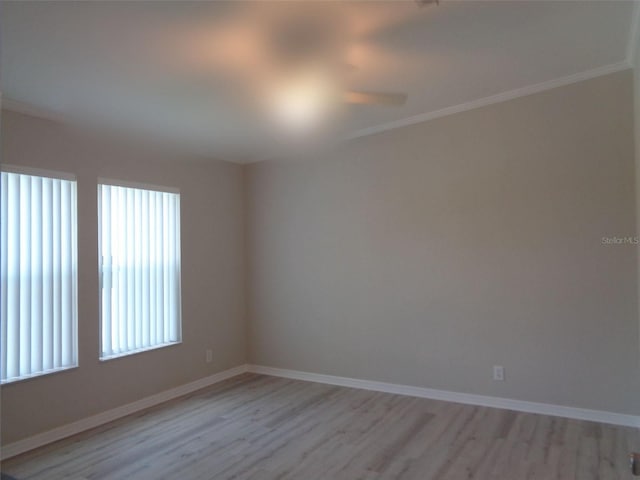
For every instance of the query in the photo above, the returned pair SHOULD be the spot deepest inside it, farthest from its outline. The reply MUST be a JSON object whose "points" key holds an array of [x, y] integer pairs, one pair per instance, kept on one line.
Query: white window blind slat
{"points": [[25, 275], [38, 270], [36, 277], [4, 212], [140, 267], [145, 265], [129, 266], [11, 354], [137, 271], [47, 269], [57, 277], [153, 277]]}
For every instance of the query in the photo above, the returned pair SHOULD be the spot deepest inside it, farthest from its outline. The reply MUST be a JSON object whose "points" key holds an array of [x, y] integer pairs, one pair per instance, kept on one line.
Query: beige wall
{"points": [[427, 254], [420, 256], [212, 277]]}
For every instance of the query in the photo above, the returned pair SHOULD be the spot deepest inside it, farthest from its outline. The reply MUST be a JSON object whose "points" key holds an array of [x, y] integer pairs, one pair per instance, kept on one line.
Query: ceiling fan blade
{"points": [[375, 98]]}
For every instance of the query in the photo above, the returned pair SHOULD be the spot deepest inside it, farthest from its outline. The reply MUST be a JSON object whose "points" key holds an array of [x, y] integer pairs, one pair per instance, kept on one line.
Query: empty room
{"points": [[320, 240]]}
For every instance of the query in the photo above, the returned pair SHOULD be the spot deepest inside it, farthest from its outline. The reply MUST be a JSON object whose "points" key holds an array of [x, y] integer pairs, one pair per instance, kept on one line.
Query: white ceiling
{"points": [[187, 70]]}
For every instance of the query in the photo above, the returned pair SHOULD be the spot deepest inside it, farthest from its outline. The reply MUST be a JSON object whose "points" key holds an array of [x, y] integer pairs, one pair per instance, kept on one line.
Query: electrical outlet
{"points": [[209, 356], [498, 373]]}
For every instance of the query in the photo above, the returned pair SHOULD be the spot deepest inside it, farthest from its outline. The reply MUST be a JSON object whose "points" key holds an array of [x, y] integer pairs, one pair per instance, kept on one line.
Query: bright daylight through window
{"points": [[38, 265], [139, 252]]}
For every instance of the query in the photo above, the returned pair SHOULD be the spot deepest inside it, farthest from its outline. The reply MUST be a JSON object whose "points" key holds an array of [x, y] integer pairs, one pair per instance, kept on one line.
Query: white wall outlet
{"points": [[209, 356], [498, 373]]}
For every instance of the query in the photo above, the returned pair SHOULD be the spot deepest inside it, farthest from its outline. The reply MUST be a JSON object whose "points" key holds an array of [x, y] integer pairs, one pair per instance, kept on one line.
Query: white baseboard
{"points": [[21, 446], [466, 398], [41, 439]]}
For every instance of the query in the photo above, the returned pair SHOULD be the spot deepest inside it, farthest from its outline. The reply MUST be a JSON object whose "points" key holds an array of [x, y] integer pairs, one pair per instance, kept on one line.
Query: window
{"points": [[38, 268], [139, 251]]}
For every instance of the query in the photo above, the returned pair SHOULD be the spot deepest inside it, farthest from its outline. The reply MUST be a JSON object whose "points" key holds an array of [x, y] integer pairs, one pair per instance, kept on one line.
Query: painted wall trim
{"points": [[32, 110], [41, 439], [500, 97], [28, 109], [59, 433], [457, 397]]}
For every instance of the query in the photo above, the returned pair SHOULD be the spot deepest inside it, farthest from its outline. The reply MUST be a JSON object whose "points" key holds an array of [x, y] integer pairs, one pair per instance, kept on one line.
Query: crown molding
{"points": [[32, 110], [500, 97], [28, 109], [634, 34]]}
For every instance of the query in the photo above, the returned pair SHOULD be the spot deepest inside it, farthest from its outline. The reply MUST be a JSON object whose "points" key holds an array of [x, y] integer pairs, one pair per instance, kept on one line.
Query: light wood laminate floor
{"points": [[266, 428]]}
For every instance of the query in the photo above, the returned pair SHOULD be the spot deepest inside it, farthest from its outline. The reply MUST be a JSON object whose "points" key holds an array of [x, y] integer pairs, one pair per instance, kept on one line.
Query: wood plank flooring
{"points": [[265, 428]]}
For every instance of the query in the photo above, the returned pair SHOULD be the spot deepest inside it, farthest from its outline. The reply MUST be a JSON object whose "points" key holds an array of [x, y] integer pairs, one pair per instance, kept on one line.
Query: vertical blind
{"points": [[139, 248], [38, 265]]}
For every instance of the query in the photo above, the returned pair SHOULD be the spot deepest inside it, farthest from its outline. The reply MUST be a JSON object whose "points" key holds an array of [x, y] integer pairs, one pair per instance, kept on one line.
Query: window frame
{"points": [[75, 354], [154, 188]]}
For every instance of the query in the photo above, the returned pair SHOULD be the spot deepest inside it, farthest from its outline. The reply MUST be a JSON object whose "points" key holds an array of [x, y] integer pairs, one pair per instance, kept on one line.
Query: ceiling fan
{"points": [[296, 59], [302, 48], [374, 98], [312, 91]]}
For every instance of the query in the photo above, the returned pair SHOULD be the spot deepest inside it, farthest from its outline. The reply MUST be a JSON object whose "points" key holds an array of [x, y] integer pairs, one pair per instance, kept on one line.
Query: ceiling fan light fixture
{"points": [[303, 102]]}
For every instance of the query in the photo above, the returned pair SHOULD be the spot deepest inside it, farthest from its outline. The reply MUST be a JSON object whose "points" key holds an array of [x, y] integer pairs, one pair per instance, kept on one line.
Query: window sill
{"points": [[106, 358], [34, 376]]}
